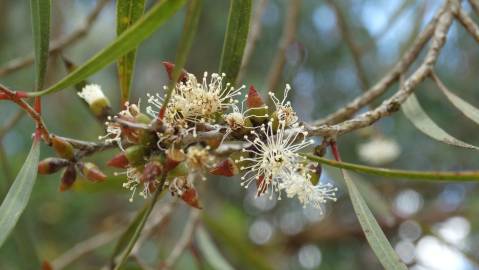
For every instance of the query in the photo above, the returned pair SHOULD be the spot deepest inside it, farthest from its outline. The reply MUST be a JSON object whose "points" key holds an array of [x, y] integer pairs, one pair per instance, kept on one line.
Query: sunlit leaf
{"points": [[414, 112], [130, 39], [210, 252], [467, 109], [235, 39], [40, 13], [19, 193], [375, 236], [127, 13]]}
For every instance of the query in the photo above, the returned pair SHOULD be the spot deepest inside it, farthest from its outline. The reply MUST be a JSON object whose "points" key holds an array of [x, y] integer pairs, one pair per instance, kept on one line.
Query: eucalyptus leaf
{"points": [[40, 13], [418, 117], [128, 40], [19, 193], [235, 39], [127, 13], [375, 236]]}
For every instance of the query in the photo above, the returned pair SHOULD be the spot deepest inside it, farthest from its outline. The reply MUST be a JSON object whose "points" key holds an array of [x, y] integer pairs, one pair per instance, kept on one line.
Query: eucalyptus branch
{"points": [[468, 23], [59, 44]]}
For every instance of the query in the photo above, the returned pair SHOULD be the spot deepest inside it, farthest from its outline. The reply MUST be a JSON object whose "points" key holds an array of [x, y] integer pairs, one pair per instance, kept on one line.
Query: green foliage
{"points": [[235, 38], [19, 193], [127, 13], [40, 13]]}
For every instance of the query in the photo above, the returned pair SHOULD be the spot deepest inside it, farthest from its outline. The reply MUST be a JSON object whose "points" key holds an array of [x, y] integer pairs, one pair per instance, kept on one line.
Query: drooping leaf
{"points": [[375, 236], [461, 176], [210, 252], [466, 108], [127, 13], [414, 112], [235, 38], [19, 193], [130, 39], [40, 14]]}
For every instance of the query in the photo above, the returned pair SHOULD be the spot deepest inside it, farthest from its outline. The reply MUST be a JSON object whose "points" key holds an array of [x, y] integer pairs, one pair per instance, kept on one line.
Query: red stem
{"points": [[335, 150]]}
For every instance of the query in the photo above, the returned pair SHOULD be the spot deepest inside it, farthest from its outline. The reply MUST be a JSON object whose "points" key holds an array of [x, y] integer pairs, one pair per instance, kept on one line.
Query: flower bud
{"points": [[91, 172], [118, 161], [190, 196], [180, 170], [68, 178], [258, 111], [261, 186], [254, 100], [226, 167], [98, 102], [63, 148], [173, 158], [51, 165], [135, 155], [169, 69]]}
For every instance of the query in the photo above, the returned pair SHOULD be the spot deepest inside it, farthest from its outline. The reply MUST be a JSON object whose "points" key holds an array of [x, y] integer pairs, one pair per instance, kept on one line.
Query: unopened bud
{"points": [[68, 178], [226, 167], [173, 158], [190, 196], [258, 111], [63, 148], [135, 155], [261, 186], [51, 165], [92, 172], [254, 100], [180, 169], [118, 161], [169, 70], [98, 102]]}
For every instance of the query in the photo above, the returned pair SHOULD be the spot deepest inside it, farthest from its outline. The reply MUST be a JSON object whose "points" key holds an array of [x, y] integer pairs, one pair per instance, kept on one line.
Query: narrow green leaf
{"points": [[40, 13], [462, 176], [130, 39], [127, 13], [375, 236], [187, 36], [19, 193], [235, 38], [379, 205], [414, 112], [128, 234], [210, 252], [467, 109]]}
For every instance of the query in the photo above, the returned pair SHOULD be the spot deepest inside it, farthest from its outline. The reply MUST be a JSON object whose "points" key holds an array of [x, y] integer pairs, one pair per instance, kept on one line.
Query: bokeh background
{"points": [[431, 225]]}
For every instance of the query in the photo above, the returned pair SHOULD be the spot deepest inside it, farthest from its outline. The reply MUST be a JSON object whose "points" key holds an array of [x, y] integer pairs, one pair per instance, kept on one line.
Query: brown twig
{"points": [[287, 37], [387, 80], [468, 23], [475, 6], [59, 44], [253, 36]]}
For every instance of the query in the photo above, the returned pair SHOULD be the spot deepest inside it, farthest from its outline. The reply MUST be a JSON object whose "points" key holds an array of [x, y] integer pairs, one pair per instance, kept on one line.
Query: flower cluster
{"points": [[155, 154]]}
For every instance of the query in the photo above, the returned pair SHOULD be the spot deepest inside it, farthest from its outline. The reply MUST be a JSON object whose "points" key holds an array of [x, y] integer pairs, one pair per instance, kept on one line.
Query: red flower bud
{"points": [[226, 167], [68, 178], [151, 171], [118, 161], [261, 186], [254, 100], [190, 196], [91, 172], [51, 165], [169, 69]]}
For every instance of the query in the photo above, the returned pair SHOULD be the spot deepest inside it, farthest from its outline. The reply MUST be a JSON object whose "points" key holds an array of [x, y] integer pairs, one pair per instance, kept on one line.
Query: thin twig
{"points": [[287, 37], [59, 44], [468, 23], [183, 242], [475, 6], [253, 36]]}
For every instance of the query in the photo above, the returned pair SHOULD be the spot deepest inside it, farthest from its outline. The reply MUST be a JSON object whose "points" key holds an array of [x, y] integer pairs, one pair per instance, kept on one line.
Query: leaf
{"points": [[414, 112], [235, 39], [375, 236], [467, 109], [379, 205], [19, 193], [130, 39], [127, 13], [210, 252], [472, 176], [40, 12]]}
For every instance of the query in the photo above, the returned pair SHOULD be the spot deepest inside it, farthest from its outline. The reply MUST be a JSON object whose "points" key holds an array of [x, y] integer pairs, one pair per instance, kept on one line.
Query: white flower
{"points": [[273, 155], [134, 181], [198, 159], [283, 108], [379, 151], [195, 102], [299, 185], [92, 93], [114, 130]]}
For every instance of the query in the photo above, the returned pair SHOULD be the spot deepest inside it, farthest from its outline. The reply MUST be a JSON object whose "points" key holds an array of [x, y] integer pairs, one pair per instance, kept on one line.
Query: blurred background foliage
{"points": [[434, 226]]}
